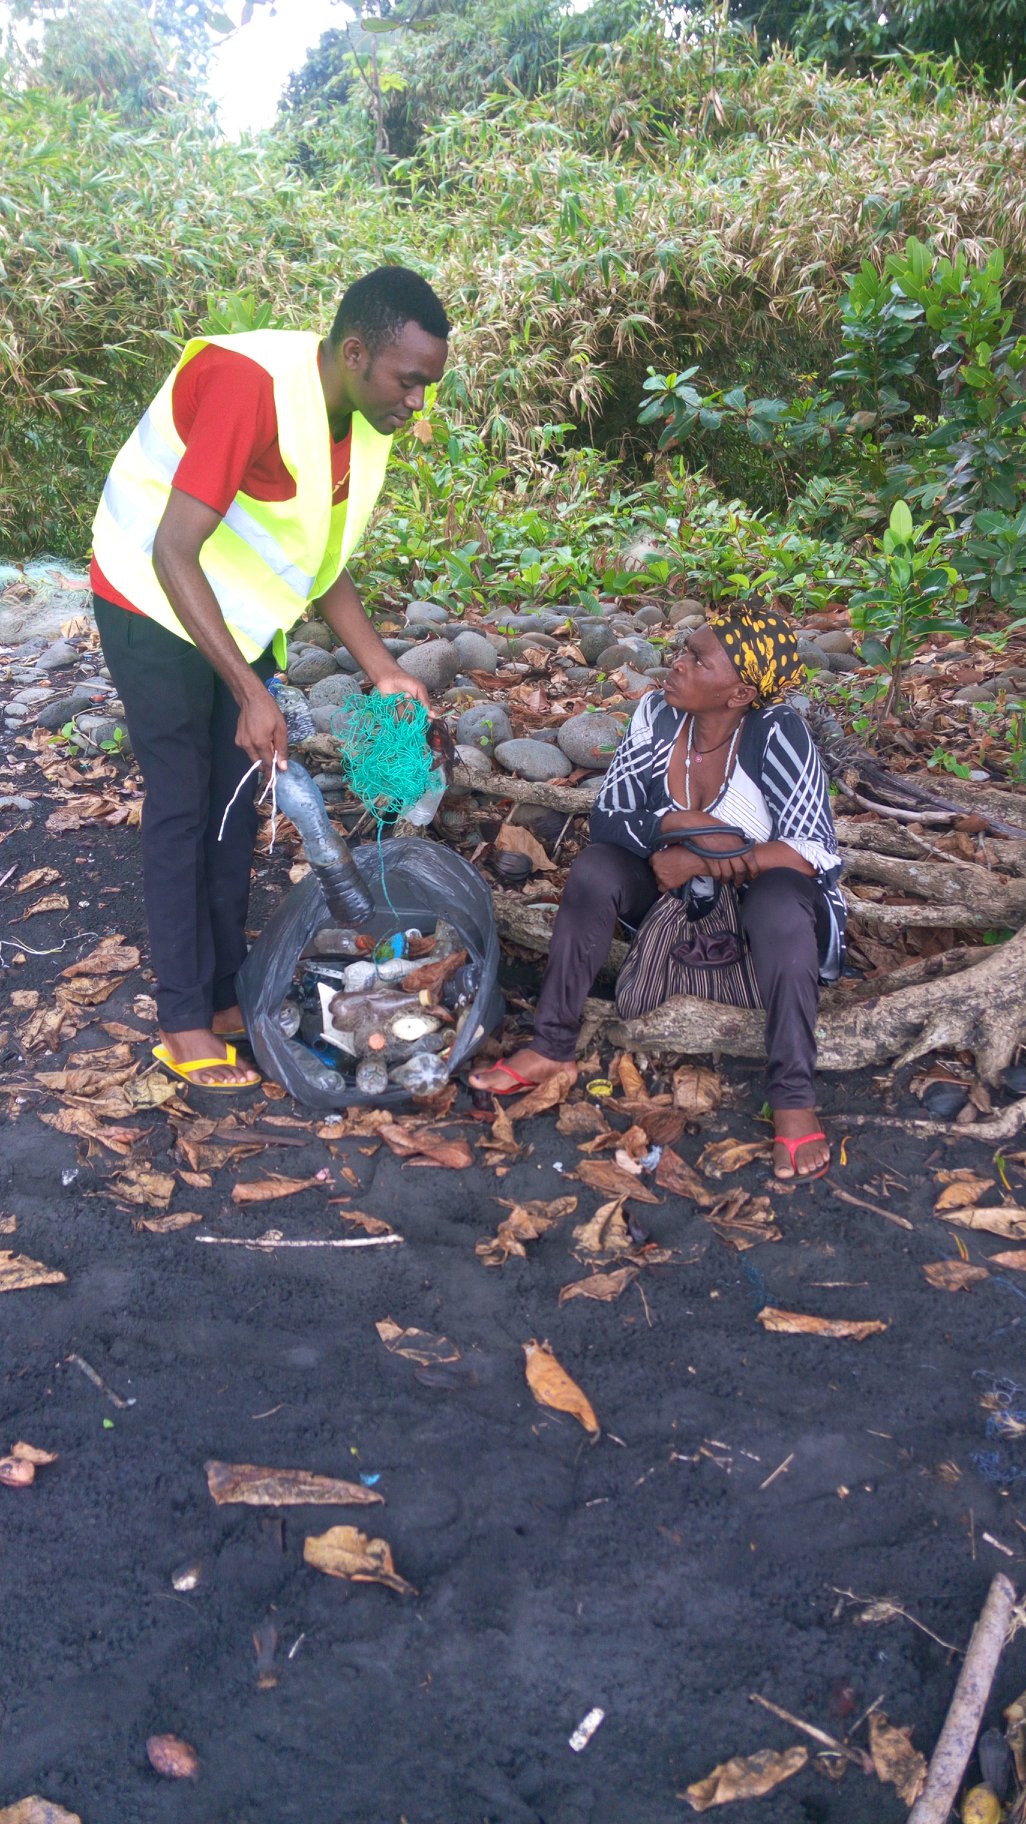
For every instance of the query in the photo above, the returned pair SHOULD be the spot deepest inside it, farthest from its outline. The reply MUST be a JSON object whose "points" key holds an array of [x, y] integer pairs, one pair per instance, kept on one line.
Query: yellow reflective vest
{"points": [[268, 559]]}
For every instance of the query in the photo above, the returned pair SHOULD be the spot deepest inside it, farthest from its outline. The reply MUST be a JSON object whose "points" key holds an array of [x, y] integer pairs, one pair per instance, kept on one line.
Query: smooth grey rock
{"points": [[844, 661], [838, 641], [634, 681], [310, 666], [32, 694], [13, 716], [590, 739], [688, 608], [475, 759], [532, 760], [975, 693], [322, 714], [637, 652], [98, 729], [543, 642], [550, 736], [650, 617], [579, 674], [811, 655], [57, 656], [397, 647], [476, 653], [593, 637], [345, 661], [314, 633], [11, 625], [426, 614], [483, 726], [435, 664], [334, 690], [330, 785], [59, 710], [538, 620]]}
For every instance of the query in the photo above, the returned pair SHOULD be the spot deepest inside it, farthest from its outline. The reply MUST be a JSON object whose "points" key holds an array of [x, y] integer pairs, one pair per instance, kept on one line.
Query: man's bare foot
{"points": [[228, 1020], [806, 1161], [527, 1065], [201, 1042]]}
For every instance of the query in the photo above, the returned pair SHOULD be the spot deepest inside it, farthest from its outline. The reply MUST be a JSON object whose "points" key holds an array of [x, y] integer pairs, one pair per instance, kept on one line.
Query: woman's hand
{"points": [[674, 867]]}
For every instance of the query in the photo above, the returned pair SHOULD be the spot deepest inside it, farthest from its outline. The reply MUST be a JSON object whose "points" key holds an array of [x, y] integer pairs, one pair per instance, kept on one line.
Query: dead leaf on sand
{"points": [[1016, 1257], [581, 1120], [606, 1232], [501, 1140], [166, 1225], [525, 1222], [895, 1759], [696, 1090], [673, 1174], [266, 1190], [172, 1757], [47, 1028], [513, 839], [631, 1080], [24, 999], [742, 1221], [553, 1387], [51, 902], [18, 1273], [38, 877], [138, 1184], [1004, 1219], [603, 1286], [797, 1323], [8, 1224], [602, 1175], [953, 1276], [18, 1468], [111, 955], [426, 1146], [85, 1126], [722, 1156], [416, 1345], [37, 1811], [248, 1485], [343, 1551], [371, 1225], [545, 1095], [961, 1192], [88, 990], [745, 1777]]}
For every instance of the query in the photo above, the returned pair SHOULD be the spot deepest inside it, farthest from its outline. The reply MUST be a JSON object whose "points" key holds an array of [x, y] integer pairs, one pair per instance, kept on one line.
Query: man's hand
{"points": [[395, 682], [261, 732]]}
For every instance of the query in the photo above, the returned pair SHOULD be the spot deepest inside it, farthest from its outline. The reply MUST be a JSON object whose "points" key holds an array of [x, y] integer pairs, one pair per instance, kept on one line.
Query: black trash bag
{"points": [[425, 882]]}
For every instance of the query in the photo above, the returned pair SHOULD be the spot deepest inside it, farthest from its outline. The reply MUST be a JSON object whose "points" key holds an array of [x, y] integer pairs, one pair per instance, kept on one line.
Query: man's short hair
{"points": [[377, 307]]}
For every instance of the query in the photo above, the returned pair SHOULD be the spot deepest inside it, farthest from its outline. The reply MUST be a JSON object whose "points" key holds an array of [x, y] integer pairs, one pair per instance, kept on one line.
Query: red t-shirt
{"points": [[223, 407]]}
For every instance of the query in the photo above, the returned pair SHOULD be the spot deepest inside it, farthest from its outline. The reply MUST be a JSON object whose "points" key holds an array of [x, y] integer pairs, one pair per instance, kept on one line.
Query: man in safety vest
{"points": [[237, 502]]}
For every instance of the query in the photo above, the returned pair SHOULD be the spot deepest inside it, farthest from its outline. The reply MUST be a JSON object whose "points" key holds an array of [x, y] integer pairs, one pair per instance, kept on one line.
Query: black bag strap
{"points": [[696, 842]]}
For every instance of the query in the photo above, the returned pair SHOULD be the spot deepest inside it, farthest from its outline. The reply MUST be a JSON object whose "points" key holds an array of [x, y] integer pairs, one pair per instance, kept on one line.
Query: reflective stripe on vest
{"points": [[250, 560]]}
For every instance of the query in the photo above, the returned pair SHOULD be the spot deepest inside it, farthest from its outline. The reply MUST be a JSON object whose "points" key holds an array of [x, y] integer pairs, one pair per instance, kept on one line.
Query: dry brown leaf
{"points": [[85, 1081], [47, 1029], [796, 1323], [722, 1156], [603, 1175], [525, 1222], [24, 999], [111, 954], [502, 1139], [371, 1225], [1016, 1258], [198, 1181], [166, 1225], [18, 1273], [953, 1275], [631, 1080], [545, 1095], [266, 1190], [172, 1757], [1004, 1219], [553, 1387], [151, 1091], [139, 1184], [416, 1345], [118, 1030], [895, 1759], [343, 1551], [673, 1174], [696, 1090], [18, 1468], [51, 902], [8, 1224], [606, 1232], [962, 1194], [433, 976], [603, 1286], [248, 1485], [745, 1777], [37, 1811], [427, 1147], [513, 839], [84, 1124], [94, 807], [38, 877], [88, 990], [663, 1126], [742, 1221]]}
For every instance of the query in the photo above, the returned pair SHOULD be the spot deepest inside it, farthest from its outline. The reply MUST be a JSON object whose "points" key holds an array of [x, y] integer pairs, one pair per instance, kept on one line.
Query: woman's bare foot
{"points": [[527, 1065], [806, 1161], [201, 1042]]}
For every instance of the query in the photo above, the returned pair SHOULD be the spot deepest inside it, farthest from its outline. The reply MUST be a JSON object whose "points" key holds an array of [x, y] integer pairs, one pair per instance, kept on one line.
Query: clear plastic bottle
{"points": [[421, 1075], [372, 1076]]}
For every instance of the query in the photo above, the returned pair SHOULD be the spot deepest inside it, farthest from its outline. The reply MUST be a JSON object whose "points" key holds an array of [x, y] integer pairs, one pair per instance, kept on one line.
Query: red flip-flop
{"points": [[515, 1086], [791, 1146]]}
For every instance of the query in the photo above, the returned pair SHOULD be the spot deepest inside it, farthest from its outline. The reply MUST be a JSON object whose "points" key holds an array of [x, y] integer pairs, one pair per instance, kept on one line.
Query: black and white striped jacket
{"points": [[777, 791]]}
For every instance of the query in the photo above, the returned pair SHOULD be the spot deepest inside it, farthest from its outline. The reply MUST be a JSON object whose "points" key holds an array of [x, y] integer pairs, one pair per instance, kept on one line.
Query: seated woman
{"points": [[715, 746]]}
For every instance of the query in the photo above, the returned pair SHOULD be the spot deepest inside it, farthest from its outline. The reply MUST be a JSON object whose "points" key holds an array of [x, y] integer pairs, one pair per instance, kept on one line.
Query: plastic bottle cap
{"points": [[600, 1087]]}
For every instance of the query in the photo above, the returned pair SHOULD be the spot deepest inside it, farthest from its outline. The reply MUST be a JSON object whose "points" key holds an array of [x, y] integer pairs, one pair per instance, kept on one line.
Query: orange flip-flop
{"points": [[518, 1082], [791, 1147]]}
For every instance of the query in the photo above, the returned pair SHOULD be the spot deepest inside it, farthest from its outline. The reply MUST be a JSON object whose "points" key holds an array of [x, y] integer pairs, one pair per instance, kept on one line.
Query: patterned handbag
{"points": [[682, 948]]}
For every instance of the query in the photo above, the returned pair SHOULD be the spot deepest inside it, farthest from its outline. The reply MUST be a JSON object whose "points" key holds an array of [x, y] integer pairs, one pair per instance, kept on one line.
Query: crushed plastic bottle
{"points": [[421, 1075], [372, 1076]]}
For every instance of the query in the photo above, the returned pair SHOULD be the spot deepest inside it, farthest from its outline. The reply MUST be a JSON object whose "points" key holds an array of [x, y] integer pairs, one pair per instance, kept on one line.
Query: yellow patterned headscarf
{"points": [[763, 648]]}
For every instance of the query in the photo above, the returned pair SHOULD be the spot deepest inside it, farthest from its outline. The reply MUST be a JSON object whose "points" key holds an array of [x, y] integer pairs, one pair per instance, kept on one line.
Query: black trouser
{"points": [[784, 917], [182, 719]]}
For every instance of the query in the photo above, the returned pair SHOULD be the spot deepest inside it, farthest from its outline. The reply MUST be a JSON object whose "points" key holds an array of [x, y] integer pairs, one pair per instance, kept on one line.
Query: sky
{"points": [[251, 68]]}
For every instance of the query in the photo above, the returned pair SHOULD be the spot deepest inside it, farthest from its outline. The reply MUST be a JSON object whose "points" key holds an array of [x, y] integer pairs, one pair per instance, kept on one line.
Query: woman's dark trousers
{"points": [[182, 720], [784, 918]]}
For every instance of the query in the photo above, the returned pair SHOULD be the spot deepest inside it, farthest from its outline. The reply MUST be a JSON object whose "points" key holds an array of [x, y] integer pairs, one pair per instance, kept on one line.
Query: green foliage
{"points": [[989, 35], [909, 594]]}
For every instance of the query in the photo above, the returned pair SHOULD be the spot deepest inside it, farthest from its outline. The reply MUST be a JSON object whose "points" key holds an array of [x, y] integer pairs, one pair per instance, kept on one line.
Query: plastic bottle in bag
{"points": [[421, 1075]]}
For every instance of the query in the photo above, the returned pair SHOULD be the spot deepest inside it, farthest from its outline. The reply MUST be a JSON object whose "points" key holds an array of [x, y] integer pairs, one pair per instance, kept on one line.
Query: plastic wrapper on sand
{"points": [[425, 882]]}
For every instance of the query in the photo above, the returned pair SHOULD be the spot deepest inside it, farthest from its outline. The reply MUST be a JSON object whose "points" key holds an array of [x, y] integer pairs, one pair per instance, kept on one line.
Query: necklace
{"points": [[699, 757], [689, 754]]}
